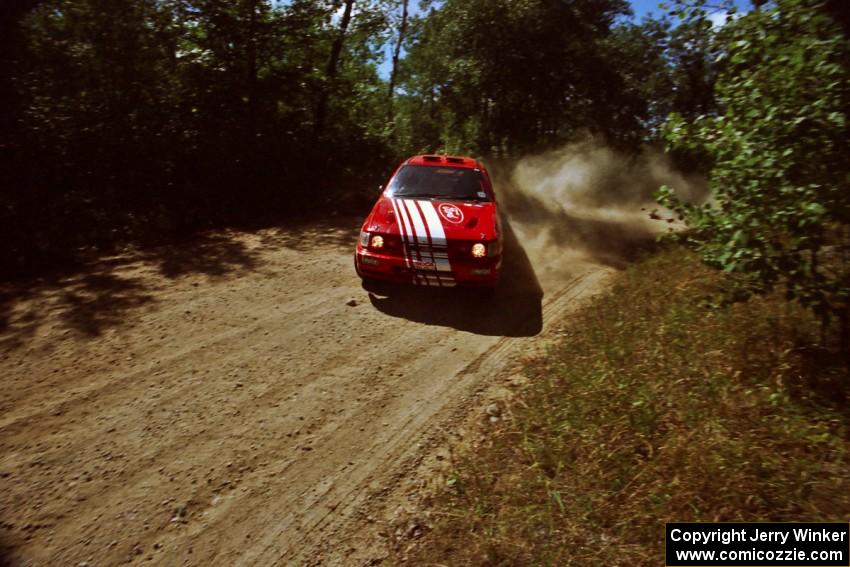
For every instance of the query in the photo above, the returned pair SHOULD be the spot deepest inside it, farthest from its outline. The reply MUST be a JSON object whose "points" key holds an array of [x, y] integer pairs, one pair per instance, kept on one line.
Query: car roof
{"points": [[454, 161]]}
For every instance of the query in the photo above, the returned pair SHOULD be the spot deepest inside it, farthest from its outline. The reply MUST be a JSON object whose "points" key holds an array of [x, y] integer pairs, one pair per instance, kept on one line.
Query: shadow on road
{"points": [[99, 293], [95, 302], [514, 310], [6, 551], [338, 232], [213, 255]]}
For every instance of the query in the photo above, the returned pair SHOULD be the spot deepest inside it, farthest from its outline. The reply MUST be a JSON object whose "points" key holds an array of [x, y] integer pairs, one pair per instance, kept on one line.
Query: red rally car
{"points": [[435, 224]]}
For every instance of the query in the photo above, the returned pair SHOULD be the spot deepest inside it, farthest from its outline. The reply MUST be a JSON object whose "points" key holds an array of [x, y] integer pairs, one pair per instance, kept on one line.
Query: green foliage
{"points": [[139, 119], [505, 78], [130, 121], [502, 77], [778, 148]]}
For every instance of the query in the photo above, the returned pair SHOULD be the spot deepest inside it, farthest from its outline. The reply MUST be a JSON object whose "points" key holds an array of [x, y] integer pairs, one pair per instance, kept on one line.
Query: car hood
{"points": [[434, 218]]}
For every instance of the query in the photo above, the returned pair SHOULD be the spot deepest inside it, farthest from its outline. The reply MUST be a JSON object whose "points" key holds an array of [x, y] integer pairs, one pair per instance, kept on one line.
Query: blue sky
{"points": [[646, 7], [641, 8]]}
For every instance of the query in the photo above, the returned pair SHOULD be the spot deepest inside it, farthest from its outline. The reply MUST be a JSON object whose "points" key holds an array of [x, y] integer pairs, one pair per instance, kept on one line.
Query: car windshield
{"points": [[427, 181]]}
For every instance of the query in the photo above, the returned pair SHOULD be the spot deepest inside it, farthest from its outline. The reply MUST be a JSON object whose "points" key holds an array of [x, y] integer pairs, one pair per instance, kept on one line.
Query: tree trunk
{"points": [[844, 334], [250, 166], [402, 30], [332, 70], [252, 78]]}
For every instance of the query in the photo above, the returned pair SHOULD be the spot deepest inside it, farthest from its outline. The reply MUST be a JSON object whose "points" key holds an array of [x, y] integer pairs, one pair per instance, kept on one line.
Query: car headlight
{"points": [[377, 241], [364, 238], [479, 250]]}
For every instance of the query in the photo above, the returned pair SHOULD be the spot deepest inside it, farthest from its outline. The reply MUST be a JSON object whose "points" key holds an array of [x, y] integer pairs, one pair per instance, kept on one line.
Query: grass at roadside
{"points": [[654, 407]]}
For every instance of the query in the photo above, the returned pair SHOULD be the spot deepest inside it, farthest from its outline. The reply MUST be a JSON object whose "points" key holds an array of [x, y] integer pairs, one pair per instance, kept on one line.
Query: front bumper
{"points": [[475, 272]]}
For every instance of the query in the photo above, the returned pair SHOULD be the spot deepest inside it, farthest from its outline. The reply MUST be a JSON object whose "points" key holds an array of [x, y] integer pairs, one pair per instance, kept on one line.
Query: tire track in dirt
{"points": [[250, 418], [402, 451]]}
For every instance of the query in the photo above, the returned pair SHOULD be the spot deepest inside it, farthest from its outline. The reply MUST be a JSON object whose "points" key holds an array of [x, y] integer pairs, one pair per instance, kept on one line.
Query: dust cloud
{"points": [[588, 204]]}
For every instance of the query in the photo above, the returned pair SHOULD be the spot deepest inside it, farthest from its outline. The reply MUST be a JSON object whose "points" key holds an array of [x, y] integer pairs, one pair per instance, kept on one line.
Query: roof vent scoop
{"points": [[455, 160], [432, 158]]}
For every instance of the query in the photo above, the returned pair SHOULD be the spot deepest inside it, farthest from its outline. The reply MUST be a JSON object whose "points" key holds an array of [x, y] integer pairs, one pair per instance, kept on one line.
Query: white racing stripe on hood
{"points": [[423, 238], [438, 236], [409, 237], [402, 230], [416, 218], [435, 225]]}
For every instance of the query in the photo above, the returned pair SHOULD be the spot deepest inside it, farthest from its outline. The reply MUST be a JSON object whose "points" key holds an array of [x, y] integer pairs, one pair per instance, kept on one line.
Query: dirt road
{"points": [[238, 400]]}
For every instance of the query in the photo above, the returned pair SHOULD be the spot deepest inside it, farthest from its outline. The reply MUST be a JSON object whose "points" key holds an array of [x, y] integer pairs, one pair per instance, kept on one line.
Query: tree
{"points": [[778, 143], [134, 119], [11, 14], [332, 67], [501, 77], [397, 45]]}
